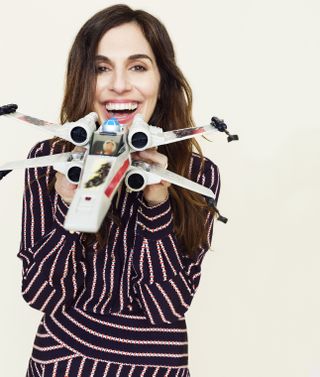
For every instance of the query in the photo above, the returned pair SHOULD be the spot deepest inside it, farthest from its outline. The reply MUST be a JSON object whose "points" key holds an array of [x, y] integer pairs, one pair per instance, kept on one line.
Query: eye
{"points": [[102, 69], [138, 68]]}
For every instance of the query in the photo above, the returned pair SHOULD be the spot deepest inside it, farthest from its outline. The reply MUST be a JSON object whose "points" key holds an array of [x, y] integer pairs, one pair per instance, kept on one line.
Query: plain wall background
{"points": [[255, 64]]}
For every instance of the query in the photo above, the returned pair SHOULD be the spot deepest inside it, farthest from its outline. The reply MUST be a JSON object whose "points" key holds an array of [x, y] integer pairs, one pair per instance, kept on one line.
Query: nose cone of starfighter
{"points": [[86, 212]]}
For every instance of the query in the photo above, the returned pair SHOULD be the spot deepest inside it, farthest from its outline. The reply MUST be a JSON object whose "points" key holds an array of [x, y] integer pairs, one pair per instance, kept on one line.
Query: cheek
{"points": [[151, 90], [147, 85], [96, 94], [100, 86]]}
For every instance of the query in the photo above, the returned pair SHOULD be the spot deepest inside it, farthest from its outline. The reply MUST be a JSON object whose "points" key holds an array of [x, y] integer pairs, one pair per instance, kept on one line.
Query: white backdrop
{"points": [[255, 64]]}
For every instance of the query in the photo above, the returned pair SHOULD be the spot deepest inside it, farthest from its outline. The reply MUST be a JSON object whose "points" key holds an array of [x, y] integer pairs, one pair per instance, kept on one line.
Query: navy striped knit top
{"points": [[124, 304]]}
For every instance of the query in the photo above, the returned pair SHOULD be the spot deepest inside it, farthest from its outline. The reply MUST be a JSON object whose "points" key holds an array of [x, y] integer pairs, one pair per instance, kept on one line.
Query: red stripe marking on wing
{"points": [[34, 121], [116, 179]]}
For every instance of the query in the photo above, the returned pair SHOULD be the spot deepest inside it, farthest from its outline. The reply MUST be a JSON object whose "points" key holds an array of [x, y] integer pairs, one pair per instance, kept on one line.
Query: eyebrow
{"points": [[131, 57]]}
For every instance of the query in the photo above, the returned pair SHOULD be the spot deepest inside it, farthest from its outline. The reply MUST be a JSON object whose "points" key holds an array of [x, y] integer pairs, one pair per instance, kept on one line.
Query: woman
{"points": [[114, 302]]}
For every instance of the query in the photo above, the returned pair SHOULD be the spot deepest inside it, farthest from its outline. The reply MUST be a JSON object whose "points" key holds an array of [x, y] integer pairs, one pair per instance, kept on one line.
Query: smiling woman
{"points": [[114, 302], [128, 78]]}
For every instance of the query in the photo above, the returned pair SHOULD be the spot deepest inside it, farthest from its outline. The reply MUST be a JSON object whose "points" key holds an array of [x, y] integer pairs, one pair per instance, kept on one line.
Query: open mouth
{"points": [[123, 112]]}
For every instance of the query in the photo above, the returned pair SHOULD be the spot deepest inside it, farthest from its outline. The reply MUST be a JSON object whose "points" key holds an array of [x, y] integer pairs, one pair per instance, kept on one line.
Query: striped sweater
{"points": [[122, 306]]}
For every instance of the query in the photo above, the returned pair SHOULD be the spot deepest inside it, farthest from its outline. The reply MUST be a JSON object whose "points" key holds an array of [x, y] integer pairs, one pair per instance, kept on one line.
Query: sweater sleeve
{"points": [[166, 278], [53, 263]]}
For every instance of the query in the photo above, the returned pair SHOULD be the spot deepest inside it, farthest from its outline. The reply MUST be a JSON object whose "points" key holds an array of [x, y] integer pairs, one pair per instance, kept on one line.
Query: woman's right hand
{"points": [[65, 188]]}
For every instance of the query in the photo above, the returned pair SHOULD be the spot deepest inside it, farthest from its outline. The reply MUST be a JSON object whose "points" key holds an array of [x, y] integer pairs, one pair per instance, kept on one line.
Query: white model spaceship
{"points": [[106, 161]]}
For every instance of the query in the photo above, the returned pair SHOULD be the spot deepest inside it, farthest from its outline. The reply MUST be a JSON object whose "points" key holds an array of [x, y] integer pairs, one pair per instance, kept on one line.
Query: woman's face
{"points": [[128, 78]]}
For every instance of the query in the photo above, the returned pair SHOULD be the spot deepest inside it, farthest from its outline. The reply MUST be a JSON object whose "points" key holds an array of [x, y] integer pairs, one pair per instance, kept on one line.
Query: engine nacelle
{"points": [[73, 173], [80, 132], [71, 168], [139, 135], [140, 175], [136, 180]]}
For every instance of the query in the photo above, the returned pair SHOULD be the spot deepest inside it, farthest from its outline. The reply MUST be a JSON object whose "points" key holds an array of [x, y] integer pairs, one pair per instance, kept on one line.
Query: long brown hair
{"points": [[173, 109]]}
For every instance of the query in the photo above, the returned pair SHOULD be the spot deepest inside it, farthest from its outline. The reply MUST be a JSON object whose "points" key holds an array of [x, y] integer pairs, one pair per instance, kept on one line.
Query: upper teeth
{"points": [[121, 106]]}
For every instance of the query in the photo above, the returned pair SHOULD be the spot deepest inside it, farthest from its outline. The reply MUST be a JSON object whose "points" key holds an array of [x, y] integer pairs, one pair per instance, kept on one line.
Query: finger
{"points": [[161, 184], [135, 156], [63, 186], [65, 191], [78, 149], [61, 177], [155, 157], [165, 183], [66, 195]]}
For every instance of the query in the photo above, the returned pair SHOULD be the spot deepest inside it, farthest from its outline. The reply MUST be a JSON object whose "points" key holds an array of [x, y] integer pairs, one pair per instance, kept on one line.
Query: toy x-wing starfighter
{"points": [[105, 162]]}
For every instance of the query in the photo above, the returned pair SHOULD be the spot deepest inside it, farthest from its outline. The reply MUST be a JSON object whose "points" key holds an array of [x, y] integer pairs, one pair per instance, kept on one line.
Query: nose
{"points": [[119, 81]]}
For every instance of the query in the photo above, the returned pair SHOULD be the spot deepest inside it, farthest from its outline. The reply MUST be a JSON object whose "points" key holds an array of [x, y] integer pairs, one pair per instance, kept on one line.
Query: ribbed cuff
{"points": [[155, 221]]}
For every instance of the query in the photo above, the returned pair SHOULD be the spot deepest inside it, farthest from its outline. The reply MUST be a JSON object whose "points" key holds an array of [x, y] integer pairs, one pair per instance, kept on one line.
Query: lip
{"points": [[124, 120], [121, 101]]}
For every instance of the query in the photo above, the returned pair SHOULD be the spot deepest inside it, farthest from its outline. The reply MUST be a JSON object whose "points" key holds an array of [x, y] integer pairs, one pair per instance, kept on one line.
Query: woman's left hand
{"points": [[156, 193]]}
